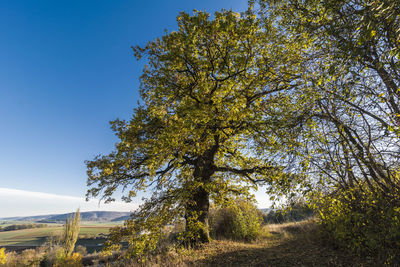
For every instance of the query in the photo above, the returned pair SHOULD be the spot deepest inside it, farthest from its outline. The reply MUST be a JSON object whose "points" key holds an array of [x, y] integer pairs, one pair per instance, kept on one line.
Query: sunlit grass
{"points": [[37, 236]]}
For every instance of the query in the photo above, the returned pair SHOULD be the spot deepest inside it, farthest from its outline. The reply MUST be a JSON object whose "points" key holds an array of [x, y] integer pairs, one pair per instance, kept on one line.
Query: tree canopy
{"points": [[352, 83], [211, 91], [349, 143], [303, 98]]}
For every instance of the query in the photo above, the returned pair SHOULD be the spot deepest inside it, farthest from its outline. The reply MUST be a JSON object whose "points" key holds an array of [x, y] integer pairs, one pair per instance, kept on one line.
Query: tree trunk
{"points": [[196, 217], [197, 207]]}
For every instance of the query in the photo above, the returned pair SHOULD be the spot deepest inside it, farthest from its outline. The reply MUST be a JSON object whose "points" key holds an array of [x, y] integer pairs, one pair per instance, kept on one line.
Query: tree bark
{"points": [[197, 207], [197, 211]]}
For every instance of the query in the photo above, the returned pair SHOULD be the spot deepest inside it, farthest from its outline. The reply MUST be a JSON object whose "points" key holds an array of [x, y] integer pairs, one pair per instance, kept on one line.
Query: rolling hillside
{"points": [[89, 216]]}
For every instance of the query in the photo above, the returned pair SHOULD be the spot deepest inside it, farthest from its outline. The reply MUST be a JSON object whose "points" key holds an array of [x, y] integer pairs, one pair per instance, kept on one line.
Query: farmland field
{"points": [[37, 236]]}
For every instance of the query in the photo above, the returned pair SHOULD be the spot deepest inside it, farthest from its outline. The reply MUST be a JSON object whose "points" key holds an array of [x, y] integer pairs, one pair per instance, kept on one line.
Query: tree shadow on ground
{"points": [[295, 247]]}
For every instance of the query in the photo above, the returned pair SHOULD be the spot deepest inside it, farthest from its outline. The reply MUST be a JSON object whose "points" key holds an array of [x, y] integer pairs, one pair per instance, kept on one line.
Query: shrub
{"points": [[3, 256], [240, 221], [28, 257], [74, 260], [81, 250], [52, 256], [365, 221], [56, 257]]}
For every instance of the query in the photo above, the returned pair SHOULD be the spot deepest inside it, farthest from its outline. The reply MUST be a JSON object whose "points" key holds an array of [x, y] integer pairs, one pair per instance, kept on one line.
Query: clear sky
{"points": [[66, 69]]}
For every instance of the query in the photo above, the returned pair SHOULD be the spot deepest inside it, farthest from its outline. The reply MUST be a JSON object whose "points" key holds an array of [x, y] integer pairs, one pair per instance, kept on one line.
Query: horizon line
{"points": [[24, 203]]}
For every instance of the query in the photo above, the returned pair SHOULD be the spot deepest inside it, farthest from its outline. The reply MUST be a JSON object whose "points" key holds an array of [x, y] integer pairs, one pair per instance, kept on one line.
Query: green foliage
{"points": [[70, 233], [350, 88], [364, 221], [28, 257], [196, 232], [238, 221], [56, 257], [211, 92], [303, 100], [143, 243], [3, 256], [349, 147], [44, 256], [73, 260]]}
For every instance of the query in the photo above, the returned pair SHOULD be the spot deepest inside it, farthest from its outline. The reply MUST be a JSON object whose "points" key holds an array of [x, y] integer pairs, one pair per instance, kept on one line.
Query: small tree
{"points": [[70, 233]]}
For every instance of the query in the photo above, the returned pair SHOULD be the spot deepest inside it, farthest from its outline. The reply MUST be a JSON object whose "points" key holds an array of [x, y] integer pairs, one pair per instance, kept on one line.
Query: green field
{"points": [[8, 223], [37, 236]]}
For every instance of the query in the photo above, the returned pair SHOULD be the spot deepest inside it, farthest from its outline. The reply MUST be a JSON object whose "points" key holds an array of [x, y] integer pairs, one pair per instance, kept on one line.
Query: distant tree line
{"points": [[295, 214], [14, 227]]}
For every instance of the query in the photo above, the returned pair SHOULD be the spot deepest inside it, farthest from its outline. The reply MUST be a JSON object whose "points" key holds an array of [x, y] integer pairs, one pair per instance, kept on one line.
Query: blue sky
{"points": [[66, 69]]}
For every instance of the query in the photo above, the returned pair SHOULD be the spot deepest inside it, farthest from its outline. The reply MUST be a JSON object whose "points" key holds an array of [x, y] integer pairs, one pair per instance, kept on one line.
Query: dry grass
{"points": [[289, 244]]}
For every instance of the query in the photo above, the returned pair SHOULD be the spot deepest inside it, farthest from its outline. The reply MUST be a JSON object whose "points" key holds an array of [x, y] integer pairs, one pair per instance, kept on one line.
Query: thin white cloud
{"points": [[14, 202], [22, 193]]}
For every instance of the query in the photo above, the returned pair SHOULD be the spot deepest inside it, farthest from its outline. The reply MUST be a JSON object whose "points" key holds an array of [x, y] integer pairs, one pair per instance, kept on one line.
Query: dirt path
{"points": [[292, 244]]}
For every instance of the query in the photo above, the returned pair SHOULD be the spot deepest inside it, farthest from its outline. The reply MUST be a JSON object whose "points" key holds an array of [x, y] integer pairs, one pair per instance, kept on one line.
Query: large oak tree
{"points": [[210, 91]]}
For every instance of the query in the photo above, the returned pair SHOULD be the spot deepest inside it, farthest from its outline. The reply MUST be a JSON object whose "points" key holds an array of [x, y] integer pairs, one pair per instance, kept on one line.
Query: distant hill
{"points": [[89, 216]]}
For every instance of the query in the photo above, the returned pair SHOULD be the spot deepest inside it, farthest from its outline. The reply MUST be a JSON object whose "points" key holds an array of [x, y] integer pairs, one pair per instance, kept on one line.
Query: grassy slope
{"points": [[291, 244], [37, 236]]}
